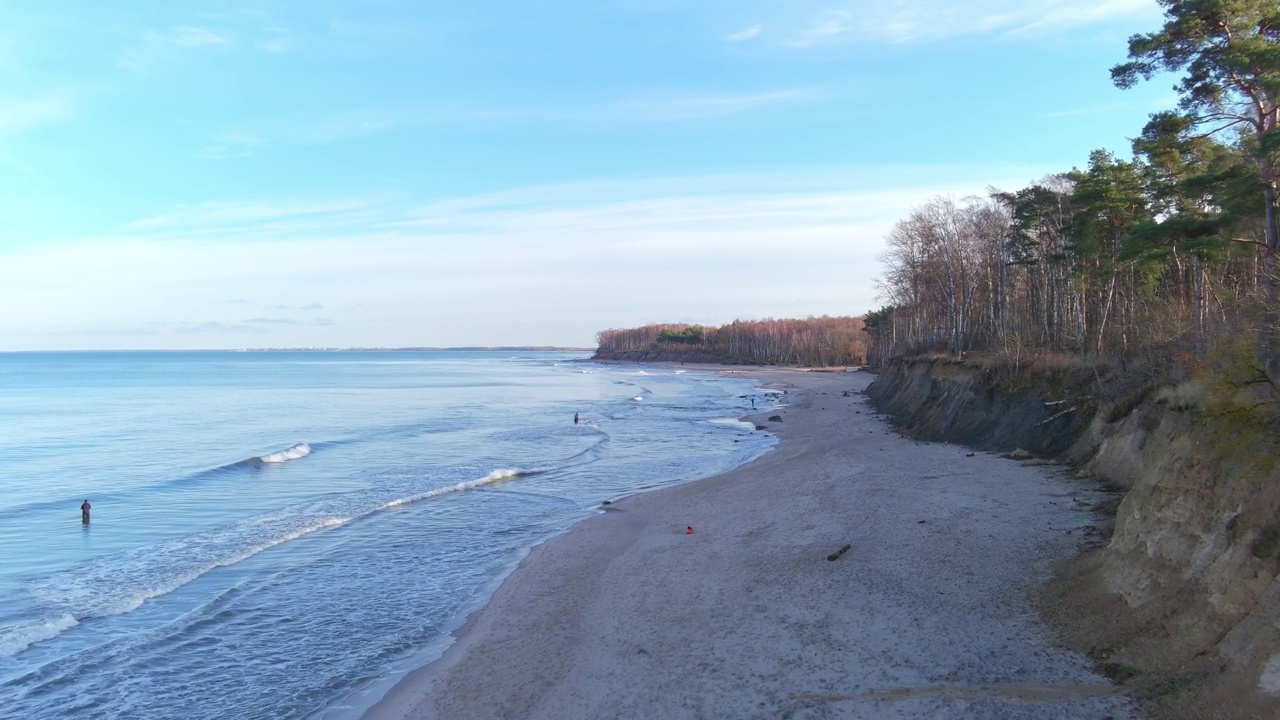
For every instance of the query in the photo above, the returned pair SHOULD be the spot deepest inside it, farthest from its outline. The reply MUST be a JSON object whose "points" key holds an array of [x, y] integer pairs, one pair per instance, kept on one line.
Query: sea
{"points": [[282, 534]]}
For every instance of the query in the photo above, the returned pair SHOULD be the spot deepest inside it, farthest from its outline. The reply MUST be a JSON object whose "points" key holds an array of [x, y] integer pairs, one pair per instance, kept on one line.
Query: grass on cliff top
{"points": [[1235, 403], [1076, 381], [1229, 382]]}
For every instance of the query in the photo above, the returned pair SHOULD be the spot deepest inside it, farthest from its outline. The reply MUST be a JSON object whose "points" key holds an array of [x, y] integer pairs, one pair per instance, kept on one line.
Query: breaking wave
{"points": [[300, 450], [494, 477], [120, 583], [17, 638]]}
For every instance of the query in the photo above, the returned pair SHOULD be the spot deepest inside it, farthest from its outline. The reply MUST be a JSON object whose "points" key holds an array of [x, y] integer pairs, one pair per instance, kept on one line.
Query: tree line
{"points": [[815, 341], [1152, 258]]}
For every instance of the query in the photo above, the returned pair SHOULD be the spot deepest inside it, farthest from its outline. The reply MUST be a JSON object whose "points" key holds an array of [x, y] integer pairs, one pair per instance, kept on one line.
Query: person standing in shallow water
{"points": [[575, 418], [85, 507]]}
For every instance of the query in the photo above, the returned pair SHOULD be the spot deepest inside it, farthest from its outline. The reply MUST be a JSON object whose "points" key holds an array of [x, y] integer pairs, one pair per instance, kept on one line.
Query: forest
{"points": [[1165, 259], [816, 341]]}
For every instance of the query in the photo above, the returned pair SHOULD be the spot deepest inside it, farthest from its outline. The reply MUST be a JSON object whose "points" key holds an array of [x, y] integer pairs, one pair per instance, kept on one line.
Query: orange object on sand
{"points": [[688, 530]]}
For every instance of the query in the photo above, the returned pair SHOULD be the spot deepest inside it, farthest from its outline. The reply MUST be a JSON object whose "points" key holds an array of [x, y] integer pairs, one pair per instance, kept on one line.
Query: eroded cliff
{"points": [[1183, 603]]}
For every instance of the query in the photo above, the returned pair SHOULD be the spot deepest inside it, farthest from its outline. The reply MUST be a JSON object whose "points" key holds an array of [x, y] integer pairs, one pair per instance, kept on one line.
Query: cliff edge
{"points": [[1183, 603]]}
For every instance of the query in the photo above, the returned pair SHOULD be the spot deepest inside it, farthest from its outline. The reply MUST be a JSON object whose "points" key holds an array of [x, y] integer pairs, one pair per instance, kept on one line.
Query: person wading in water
{"points": [[85, 507]]}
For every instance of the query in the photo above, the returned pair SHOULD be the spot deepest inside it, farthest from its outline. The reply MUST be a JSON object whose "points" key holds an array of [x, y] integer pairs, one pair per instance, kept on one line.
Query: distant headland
{"points": [[815, 341]]}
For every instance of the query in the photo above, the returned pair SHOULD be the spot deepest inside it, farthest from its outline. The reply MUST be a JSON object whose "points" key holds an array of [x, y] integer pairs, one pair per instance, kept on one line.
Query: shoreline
{"points": [[626, 615], [367, 703]]}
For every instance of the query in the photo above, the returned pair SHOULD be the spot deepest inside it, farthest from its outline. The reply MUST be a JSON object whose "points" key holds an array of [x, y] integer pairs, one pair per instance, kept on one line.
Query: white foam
{"points": [[497, 475], [300, 450], [637, 398], [493, 477], [16, 638], [134, 577], [123, 582], [733, 422]]}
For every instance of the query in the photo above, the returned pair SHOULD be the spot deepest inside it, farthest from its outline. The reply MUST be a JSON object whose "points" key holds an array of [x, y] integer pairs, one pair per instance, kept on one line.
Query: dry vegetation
{"points": [[816, 341], [1152, 259]]}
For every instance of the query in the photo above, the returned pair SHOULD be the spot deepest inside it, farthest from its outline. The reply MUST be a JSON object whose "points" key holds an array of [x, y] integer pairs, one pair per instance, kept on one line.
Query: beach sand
{"points": [[930, 613]]}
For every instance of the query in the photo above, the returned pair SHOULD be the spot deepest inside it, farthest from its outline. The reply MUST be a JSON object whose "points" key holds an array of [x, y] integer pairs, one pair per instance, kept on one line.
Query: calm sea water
{"points": [[273, 533]]}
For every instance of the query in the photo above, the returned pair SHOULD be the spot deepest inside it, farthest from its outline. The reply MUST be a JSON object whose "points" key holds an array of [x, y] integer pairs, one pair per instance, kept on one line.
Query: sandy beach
{"points": [[929, 613]]}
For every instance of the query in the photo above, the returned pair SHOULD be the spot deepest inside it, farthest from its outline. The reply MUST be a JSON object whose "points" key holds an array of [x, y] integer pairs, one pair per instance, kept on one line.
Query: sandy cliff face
{"points": [[940, 399], [1196, 550], [1187, 592]]}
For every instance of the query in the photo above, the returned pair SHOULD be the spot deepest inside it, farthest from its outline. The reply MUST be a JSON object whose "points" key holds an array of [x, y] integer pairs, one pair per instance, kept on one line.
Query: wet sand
{"points": [[929, 613]]}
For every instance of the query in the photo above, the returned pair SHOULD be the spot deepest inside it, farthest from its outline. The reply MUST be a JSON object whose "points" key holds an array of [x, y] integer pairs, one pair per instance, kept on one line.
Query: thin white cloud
{"points": [[384, 273], [1059, 16], [256, 26], [20, 114], [277, 45], [191, 37], [279, 40], [158, 47], [232, 14], [271, 321], [14, 45], [662, 107], [231, 145], [829, 25], [193, 328], [931, 20], [272, 217], [653, 107], [745, 34]]}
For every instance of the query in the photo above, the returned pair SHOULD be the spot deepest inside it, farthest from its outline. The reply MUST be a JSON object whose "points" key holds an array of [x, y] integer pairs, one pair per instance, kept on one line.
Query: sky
{"points": [[383, 173]]}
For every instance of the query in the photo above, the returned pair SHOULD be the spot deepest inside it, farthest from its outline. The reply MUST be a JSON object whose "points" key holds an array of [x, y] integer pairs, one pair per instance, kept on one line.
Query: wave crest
{"points": [[493, 477], [300, 450], [120, 583], [17, 638]]}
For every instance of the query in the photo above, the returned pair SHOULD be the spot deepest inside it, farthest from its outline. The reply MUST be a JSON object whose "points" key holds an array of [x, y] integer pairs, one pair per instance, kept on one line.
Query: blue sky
{"points": [[379, 173]]}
